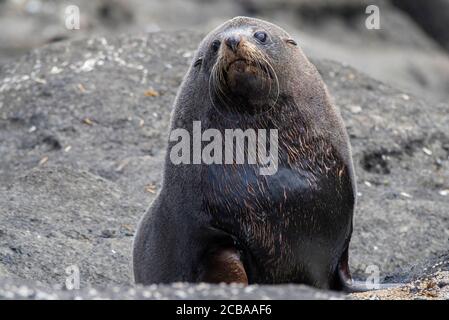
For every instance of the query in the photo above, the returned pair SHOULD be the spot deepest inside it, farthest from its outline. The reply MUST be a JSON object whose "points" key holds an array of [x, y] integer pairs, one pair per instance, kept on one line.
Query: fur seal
{"points": [[227, 222]]}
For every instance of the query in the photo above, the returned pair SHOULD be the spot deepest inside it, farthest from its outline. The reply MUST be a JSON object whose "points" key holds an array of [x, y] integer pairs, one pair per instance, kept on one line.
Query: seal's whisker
{"points": [[220, 92], [217, 83]]}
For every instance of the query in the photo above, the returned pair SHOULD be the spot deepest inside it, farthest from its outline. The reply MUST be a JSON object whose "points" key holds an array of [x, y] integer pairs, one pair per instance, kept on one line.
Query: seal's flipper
{"points": [[221, 260], [350, 286], [224, 265]]}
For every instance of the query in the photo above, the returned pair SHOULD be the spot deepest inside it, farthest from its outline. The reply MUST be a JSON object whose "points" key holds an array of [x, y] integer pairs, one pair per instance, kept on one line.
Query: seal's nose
{"points": [[233, 42]]}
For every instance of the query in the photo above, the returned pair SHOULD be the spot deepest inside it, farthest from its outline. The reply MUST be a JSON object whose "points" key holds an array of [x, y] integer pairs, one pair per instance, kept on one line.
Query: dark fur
{"points": [[293, 226]]}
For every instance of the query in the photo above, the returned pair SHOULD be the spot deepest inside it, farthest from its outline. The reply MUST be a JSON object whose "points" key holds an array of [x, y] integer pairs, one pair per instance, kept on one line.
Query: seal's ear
{"points": [[291, 42]]}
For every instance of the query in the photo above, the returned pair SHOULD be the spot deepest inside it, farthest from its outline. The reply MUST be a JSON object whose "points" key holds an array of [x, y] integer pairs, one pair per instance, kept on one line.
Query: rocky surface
{"points": [[83, 127], [432, 16], [427, 281], [401, 53], [13, 289]]}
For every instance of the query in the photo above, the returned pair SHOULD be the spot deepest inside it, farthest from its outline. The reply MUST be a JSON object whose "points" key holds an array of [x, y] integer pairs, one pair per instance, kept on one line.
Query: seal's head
{"points": [[242, 69], [242, 59]]}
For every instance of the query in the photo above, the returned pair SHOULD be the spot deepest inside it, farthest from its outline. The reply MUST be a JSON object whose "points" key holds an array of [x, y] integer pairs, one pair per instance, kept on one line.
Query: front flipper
{"points": [[224, 265], [348, 285], [221, 260]]}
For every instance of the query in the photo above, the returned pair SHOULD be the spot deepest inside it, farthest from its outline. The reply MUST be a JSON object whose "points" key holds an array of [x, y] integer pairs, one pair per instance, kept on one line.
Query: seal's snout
{"points": [[242, 77], [233, 42]]}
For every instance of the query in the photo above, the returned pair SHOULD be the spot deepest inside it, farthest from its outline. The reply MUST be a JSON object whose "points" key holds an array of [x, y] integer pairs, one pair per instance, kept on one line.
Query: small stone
{"points": [[406, 195], [81, 88], [40, 80], [355, 109], [88, 65], [88, 121], [43, 161], [444, 192], [150, 188], [55, 70], [122, 165], [108, 233], [151, 93], [406, 97], [427, 151]]}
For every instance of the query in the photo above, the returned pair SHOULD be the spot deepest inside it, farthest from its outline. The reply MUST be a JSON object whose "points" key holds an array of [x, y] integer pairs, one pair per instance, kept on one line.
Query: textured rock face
{"points": [[400, 53], [432, 16], [83, 128]]}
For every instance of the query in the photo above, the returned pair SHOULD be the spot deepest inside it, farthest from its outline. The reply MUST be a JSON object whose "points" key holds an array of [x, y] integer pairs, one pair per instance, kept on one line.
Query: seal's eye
{"points": [[215, 45], [261, 36]]}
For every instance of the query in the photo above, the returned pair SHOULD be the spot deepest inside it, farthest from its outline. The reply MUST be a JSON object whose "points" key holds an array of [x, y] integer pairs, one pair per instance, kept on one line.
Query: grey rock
{"points": [[401, 53], [432, 16], [14, 289]]}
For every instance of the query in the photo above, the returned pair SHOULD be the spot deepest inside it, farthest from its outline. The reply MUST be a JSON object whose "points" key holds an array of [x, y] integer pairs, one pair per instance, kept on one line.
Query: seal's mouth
{"points": [[242, 65], [238, 63], [243, 80]]}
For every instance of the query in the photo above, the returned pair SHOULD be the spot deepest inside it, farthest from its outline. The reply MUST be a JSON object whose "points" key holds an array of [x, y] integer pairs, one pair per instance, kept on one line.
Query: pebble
{"points": [[355, 109], [43, 161], [55, 70], [406, 97], [40, 80], [88, 65], [406, 195], [427, 151], [151, 93]]}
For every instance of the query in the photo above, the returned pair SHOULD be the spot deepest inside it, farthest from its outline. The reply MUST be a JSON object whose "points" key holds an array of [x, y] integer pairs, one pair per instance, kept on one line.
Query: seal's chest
{"points": [[241, 190]]}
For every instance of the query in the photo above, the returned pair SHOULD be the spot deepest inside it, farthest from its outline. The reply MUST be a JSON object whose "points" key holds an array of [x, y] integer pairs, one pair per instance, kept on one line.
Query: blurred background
{"points": [[409, 51]]}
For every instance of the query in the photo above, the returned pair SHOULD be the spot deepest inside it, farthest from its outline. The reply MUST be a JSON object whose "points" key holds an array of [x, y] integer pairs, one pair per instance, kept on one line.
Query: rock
{"points": [[19, 289], [432, 16], [55, 218], [399, 53], [429, 280], [19, 20], [392, 231], [104, 141]]}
